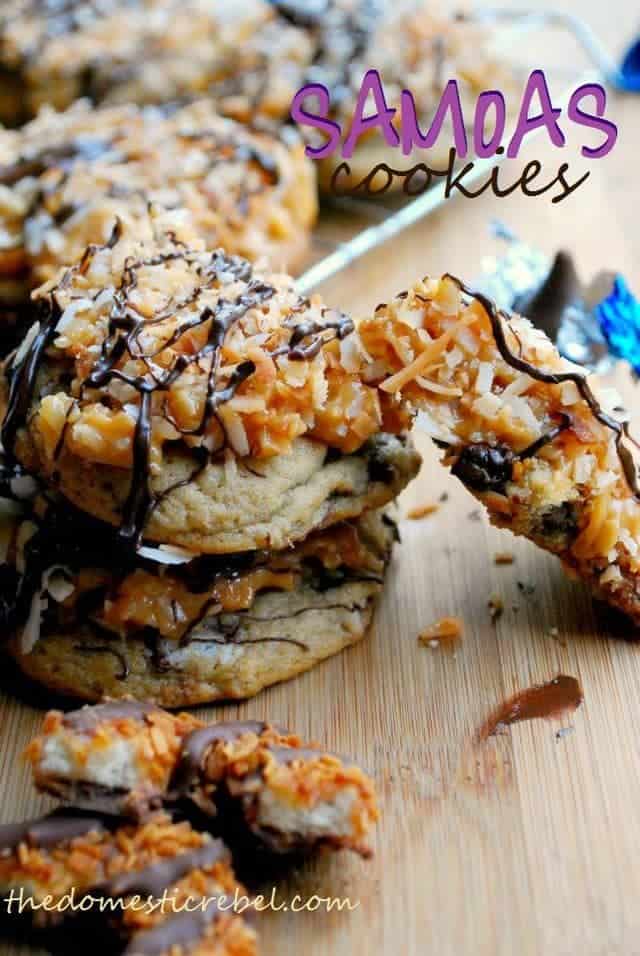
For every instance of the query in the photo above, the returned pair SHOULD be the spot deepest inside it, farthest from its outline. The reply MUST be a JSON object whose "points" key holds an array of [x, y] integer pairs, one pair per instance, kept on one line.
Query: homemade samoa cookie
{"points": [[66, 178], [250, 58], [531, 435], [144, 51], [91, 623], [252, 780], [109, 864], [190, 400]]}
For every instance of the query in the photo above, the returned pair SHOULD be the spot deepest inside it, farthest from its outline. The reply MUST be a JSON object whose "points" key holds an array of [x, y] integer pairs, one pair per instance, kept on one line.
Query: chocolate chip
{"points": [[559, 520], [483, 467]]}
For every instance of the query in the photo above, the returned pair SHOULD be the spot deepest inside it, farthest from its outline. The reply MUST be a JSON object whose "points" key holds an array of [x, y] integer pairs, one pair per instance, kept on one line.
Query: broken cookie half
{"points": [[531, 435]]}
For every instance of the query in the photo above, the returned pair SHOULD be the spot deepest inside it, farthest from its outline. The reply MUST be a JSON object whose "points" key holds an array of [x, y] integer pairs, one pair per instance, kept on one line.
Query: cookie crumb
{"points": [[474, 515], [503, 557], [444, 497], [421, 511], [554, 634], [448, 630], [496, 606], [563, 732]]}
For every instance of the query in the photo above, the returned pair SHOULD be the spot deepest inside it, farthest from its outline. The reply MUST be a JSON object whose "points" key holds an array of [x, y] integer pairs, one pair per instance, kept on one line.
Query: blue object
{"points": [[629, 78], [619, 319], [591, 335], [624, 77]]}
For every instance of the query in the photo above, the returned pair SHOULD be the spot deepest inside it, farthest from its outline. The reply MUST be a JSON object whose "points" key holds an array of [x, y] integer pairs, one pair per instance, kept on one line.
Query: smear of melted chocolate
{"points": [[124, 671], [558, 696], [621, 429]]}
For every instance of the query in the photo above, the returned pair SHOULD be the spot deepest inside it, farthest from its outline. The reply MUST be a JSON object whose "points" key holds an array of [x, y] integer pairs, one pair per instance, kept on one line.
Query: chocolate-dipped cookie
{"points": [[154, 888], [253, 781]]}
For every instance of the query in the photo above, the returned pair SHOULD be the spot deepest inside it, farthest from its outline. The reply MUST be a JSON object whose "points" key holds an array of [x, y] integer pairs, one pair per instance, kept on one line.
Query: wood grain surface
{"points": [[528, 843]]}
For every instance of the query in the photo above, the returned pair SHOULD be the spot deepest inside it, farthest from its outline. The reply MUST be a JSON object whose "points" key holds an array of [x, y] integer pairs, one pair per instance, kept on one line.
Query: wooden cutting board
{"points": [[528, 843]]}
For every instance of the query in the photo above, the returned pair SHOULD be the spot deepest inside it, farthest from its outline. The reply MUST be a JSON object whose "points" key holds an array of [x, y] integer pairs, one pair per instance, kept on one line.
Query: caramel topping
{"points": [[168, 606]]}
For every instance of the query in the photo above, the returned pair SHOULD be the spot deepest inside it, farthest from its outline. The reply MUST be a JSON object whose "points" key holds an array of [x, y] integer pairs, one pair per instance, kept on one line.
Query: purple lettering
{"points": [[486, 100], [548, 118], [317, 120], [382, 118], [449, 102], [597, 121]]}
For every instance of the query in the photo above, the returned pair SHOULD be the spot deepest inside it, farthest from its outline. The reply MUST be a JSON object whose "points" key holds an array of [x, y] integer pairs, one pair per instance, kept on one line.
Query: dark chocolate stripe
{"points": [[153, 880], [57, 828], [197, 743], [180, 930], [90, 717], [22, 377], [63, 156]]}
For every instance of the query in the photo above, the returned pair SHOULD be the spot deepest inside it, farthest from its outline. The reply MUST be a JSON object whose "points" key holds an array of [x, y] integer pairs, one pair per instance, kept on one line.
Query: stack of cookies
{"points": [[199, 472], [198, 461]]}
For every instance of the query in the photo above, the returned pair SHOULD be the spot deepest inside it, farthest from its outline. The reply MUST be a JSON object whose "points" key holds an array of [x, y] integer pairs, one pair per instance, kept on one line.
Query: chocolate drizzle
{"points": [[621, 429], [122, 340], [342, 326], [124, 671], [22, 377], [62, 156]]}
